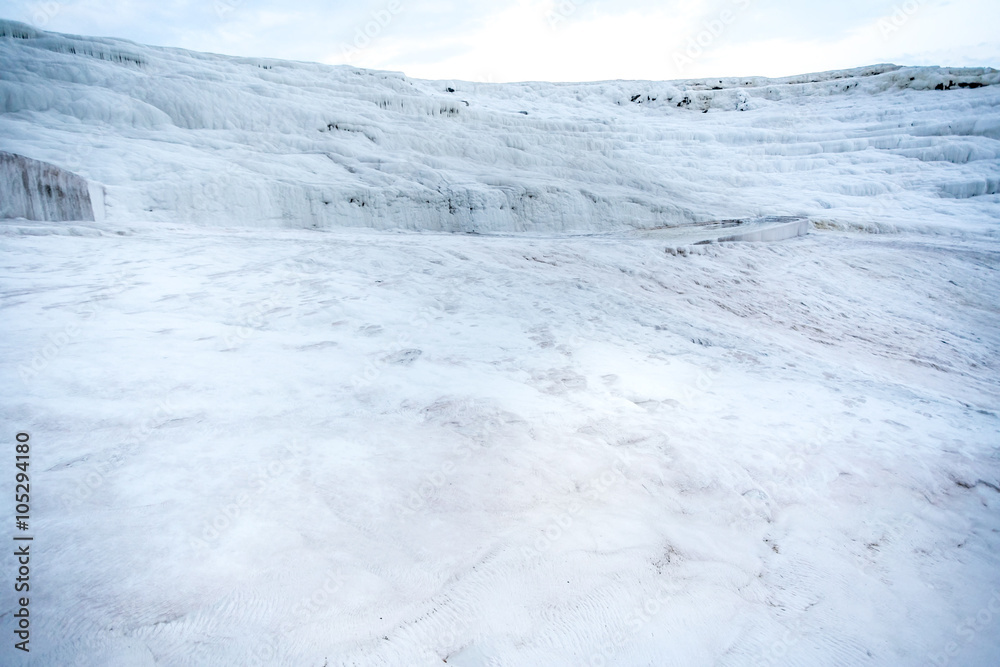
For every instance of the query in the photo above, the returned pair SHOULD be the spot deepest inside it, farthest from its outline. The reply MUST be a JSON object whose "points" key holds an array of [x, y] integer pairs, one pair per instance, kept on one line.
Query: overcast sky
{"points": [[554, 40]]}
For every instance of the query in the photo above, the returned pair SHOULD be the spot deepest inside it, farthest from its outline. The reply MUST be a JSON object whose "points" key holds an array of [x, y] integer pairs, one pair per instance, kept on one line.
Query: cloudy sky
{"points": [[556, 40]]}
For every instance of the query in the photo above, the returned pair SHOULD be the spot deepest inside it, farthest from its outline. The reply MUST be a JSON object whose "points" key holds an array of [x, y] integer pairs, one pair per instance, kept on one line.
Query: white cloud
{"points": [[553, 39]]}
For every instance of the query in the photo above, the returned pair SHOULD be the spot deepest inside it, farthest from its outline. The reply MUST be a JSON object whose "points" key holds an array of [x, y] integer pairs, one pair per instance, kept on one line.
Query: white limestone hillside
{"points": [[176, 135]]}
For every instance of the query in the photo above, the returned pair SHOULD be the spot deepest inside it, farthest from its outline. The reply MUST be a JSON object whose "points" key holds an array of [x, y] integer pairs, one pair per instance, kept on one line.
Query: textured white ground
{"points": [[256, 443], [544, 451]]}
